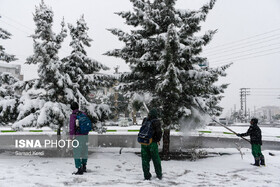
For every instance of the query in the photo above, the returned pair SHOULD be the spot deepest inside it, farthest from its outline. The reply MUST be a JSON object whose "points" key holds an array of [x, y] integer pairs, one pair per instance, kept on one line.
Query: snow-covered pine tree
{"points": [[9, 98], [3, 55], [6, 82], [83, 71], [44, 101], [164, 55]]}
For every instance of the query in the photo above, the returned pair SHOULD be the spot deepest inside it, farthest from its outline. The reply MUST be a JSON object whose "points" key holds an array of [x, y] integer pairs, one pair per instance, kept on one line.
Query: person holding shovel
{"points": [[256, 141]]}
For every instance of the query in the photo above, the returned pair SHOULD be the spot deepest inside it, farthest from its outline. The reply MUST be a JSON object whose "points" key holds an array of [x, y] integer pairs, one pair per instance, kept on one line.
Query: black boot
{"points": [[159, 177], [79, 172], [257, 161], [84, 167], [262, 160], [148, 177]]}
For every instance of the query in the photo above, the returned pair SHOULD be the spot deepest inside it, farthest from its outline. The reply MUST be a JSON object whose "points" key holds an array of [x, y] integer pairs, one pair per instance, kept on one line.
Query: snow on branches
{"points": [[3, 55], [83, 71], [163, 52]]}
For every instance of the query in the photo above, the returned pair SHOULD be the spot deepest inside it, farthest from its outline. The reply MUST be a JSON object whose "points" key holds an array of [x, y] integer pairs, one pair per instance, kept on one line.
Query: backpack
{"points": [[146, 133], [84, 123]]}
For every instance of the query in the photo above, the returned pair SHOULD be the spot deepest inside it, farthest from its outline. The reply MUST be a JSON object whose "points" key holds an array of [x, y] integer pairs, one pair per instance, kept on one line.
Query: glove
{"points": [[239, 135]]}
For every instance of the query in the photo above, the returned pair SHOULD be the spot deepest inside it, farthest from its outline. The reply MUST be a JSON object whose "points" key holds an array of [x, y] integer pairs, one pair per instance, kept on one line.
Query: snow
{"points": [[10, 65], [24, 122], [7, 103], [268, 133], [106, 167], [185, 110]]}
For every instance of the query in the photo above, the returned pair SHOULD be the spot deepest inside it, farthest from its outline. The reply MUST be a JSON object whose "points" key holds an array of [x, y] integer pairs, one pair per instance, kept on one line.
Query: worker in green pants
{"points": [[150, 152], [255, 134]]}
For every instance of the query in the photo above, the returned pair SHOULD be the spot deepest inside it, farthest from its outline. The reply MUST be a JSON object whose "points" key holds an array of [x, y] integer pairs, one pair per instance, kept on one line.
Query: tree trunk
{"points": [[58, 137], [116, 97], [58, 132], [134, 116], [166, 143]]}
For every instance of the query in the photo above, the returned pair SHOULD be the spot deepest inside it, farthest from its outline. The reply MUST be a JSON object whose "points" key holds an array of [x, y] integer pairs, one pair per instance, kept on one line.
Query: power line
{"points": [[264, 95], [265, 88], [229, 43], [264, 98], [246, 44], [222, 58], [17, 28], [219, 58], [241, 59], [264, 46], [267, 93], [17, 22], [227, 61], [249, 54]]}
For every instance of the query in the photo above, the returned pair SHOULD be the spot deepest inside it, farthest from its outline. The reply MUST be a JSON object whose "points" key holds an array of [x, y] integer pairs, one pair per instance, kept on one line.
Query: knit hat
{"points": [[74, 106], [254, 121], [153, 113]]}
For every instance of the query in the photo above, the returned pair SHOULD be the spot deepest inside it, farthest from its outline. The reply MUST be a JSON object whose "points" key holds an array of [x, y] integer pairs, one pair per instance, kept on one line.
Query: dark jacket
{"points": [[157, 133], [255, 134]]}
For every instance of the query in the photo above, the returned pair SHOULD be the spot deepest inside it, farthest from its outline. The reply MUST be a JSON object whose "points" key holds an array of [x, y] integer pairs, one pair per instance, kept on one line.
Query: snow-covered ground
{"points": [[109, 168]]}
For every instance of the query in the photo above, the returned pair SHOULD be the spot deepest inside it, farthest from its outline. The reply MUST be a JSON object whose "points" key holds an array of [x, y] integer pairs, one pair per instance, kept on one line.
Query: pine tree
{"points": [[9, 98], [83, 71], [164, 55], [3, 55], [44, 101]]}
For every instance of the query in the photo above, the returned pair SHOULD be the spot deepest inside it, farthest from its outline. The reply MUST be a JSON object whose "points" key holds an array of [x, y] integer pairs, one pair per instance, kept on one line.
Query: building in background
{"points": [[267, 113], [14, 69]]}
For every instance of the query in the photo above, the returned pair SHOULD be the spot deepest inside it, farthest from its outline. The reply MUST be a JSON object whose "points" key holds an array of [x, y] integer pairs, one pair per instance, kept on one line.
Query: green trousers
{"points": [[256, 150], [81, 152], [148, 153]]}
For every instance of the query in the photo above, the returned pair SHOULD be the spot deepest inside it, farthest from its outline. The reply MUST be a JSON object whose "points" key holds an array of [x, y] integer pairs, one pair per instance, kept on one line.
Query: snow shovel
{"points": [[238, 147], [145, 106], [220, 123]]}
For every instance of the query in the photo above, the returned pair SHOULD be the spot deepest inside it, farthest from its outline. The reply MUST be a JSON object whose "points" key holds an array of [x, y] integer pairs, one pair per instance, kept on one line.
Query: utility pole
{"points": [[244, 92]]}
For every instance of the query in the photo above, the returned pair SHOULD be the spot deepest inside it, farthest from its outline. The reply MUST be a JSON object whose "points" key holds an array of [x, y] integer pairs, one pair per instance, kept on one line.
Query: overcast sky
{"points": [[248, 35]]}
